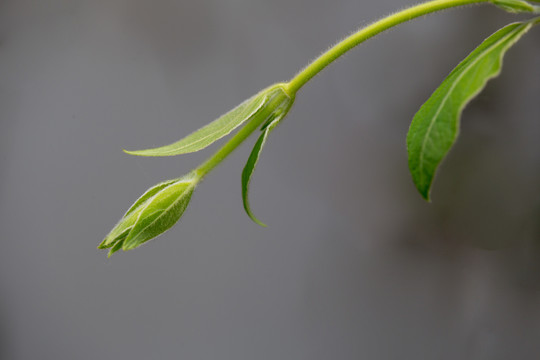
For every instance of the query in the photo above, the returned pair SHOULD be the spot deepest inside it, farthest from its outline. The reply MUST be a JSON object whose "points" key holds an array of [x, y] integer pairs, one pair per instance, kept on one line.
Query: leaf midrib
{"points": [[453, 86]]}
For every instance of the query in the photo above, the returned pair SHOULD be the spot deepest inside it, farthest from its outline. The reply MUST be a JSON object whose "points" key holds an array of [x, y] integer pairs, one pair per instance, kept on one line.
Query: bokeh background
{"points": [[354, 264]]}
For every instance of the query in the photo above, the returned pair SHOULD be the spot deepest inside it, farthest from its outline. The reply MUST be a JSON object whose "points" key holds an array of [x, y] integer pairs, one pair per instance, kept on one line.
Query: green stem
{"points": [[228, 148], [236, 140], [368, 32], [323, 61]]}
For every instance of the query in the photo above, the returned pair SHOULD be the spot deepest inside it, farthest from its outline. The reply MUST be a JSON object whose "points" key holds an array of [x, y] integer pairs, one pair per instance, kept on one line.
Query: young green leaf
{"points": [[217, 129], [515, 6], [273, 120], [435, 127], [247, 173], [116, 247]]}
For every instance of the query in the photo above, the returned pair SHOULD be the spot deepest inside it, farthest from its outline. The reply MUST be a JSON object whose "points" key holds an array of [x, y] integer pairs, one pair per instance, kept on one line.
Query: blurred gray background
{"points": [[354, 264]]}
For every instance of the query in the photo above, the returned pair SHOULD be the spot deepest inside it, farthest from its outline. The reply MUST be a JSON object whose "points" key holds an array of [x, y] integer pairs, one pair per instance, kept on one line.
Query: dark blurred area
{"points": [[354, 264]]}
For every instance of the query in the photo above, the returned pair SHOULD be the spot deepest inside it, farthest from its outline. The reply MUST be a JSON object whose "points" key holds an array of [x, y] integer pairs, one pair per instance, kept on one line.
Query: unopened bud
{"points": [[155, 212]]}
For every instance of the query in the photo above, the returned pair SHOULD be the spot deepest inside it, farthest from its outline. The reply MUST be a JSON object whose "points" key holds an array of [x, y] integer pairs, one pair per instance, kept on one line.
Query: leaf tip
{"points": [[424, 188], [134, 152], [247, 208], [111, 252], [257, 221]]}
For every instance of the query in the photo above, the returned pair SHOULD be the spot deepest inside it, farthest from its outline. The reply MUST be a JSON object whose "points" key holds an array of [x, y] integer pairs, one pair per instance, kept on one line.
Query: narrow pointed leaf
{"points": [[435, 127], [515, 6], [271, 122], [214, 131], [116, 247], [247, 173]]}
